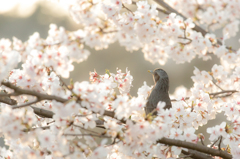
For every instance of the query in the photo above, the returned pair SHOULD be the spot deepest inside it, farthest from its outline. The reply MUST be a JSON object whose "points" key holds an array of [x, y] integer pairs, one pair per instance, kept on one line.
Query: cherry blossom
{"points": [[45, 116]]}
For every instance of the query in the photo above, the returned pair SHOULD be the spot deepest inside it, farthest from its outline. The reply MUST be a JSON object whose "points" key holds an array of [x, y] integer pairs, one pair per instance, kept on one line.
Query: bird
{"points": [[159, 92]]}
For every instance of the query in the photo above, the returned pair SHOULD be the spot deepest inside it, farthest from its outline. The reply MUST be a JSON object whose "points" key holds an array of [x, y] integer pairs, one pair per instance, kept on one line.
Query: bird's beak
{"points": [[150, 71]]}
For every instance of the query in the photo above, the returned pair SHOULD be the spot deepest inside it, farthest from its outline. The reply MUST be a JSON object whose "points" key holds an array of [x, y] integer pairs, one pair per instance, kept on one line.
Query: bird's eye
{"points": [[156, 77]]}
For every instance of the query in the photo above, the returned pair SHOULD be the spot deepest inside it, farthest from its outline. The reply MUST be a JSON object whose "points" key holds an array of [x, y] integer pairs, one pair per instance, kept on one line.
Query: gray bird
{"points": [[159, 91]]}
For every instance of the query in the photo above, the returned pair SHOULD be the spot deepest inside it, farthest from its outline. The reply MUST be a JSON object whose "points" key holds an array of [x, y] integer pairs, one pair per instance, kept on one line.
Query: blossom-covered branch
{"points": [[40, 97], [192, 146], [41, 116], [170, 142], [48, 114], [197, 27], [172, 10]]}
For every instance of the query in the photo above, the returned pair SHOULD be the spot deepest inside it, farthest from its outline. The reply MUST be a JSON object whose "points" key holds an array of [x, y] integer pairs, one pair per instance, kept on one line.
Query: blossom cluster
{"points": [[219, 80], [134, 139], [104, 23], [104, 102], [211, 13]]}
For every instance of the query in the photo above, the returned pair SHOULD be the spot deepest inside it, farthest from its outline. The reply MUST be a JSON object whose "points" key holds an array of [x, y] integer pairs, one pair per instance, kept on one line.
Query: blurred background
{"points": [[22, 18]]}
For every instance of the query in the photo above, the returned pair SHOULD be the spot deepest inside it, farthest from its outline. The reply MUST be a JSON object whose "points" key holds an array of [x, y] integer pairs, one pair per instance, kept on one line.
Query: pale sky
{"points": [[24, 8]]}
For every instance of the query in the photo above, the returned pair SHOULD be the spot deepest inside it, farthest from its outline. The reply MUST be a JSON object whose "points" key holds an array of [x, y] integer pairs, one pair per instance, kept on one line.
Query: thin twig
{"points": [[82, 115], [224, 96], [222, 92], [202, 141], [127, 9], [85, 129], [192, 107], [100, 136], [31, 129], [26, 104], [60, 42], [99, 126], [220, 142], [189, 42], [216, 84], [114, 141], [185, 37], [215, 142], [50, 122], [214, 95], [64, 156], [63, 82]]}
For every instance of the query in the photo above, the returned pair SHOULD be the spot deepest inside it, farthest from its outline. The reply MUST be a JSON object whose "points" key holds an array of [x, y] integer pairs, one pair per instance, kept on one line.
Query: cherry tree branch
{"points": [[215, 94], [26, 104], [42, 112], [49, 114], [42, 96], [170, 9], [196, 155], [7, 100], [223, 92], [192, 146]]}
